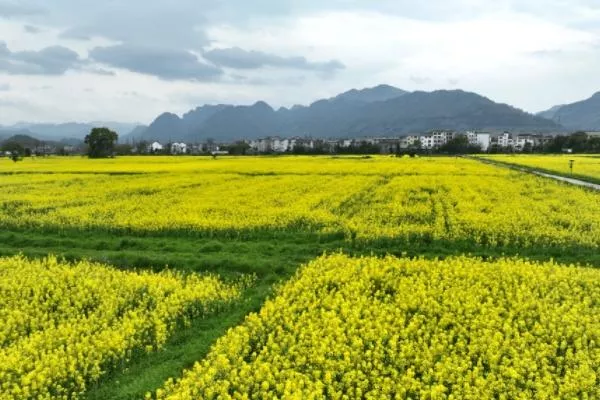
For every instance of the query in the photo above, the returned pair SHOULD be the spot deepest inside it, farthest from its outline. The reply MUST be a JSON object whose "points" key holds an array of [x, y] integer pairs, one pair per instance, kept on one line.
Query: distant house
{"points": [[265, 145], [345, 143], [281, 145], [482, 139], [523, 140], [436, 139], [179, 148], [503, 140], [154, 147], [409, 141]]}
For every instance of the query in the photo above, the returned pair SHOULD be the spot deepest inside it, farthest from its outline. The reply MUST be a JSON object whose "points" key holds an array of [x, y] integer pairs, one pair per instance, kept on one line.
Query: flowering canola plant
{"points": [[398, 328], [64, 325], [413, 200]]}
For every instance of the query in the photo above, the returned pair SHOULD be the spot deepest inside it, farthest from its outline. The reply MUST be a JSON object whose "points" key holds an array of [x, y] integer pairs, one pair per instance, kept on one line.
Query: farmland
{"points": [[245, 225], [586, 167], [401, 328], [65, 325], [405, 200]]}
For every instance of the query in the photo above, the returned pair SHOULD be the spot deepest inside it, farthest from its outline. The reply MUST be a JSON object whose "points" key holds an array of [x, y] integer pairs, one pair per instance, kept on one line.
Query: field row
{"points": [[65, 325], [394, 328], [459, 328], [409, 200]]}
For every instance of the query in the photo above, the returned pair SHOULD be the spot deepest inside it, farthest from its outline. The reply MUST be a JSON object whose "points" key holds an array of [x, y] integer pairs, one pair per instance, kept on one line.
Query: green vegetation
{"points": [[101, 143]]}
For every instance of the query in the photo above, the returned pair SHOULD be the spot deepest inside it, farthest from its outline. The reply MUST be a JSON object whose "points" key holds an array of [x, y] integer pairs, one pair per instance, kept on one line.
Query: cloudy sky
{"points": [[78, 60]]}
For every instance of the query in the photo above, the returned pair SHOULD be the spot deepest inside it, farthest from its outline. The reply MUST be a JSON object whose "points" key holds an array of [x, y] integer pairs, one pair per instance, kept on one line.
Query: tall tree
{"points": [[101, 143], [460, 145]]}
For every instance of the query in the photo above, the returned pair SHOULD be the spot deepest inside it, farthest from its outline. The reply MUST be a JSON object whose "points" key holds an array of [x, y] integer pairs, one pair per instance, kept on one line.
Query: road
{"points": [[572, 181]]}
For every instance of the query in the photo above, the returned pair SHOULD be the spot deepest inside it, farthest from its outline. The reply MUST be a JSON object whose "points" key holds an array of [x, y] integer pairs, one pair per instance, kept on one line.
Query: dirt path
{"points": [[572, 181]]}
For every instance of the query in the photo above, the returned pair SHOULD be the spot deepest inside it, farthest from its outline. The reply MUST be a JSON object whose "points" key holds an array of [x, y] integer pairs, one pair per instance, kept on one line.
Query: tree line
{"points": [[102, 143]]}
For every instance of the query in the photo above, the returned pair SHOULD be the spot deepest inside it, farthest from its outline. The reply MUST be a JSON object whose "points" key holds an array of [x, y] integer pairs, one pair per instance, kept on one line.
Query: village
{"points": [[437, 141], [482, 141]]}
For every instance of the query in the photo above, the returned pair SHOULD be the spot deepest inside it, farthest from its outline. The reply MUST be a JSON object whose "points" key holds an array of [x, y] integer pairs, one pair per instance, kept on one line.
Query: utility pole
{"points": [[571, 162]]}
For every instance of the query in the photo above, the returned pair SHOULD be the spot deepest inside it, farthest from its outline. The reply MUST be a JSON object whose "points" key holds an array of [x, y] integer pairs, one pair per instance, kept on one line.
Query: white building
{"points": [[264, 145], [280, 145], [409, 141], [481, 139], [436, 139], [427, 142], [179, 148], [523, 140], [154, 147], [504, 140], [346, 143], [274, 144]]}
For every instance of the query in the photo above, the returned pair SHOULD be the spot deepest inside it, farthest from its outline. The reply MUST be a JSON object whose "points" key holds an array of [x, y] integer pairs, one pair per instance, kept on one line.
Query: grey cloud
{"points": [[160, 22], [453, 81], [19, 9], [426, 10], [75, 35], [167, 64], [4, 87], [237, 58], [54, 60], [164, 24], [31, 29], [100, 71]]}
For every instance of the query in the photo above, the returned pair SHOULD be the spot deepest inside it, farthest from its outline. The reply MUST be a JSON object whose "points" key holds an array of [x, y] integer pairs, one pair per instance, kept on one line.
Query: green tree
{"points": [[578, 141], [123, 149], [142, 147], [101, 143], [238, 148], [12, 147], [460, 145]]}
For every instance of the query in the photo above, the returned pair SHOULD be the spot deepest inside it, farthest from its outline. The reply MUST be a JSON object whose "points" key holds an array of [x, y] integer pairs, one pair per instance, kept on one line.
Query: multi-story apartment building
{"points": [[483, 139], [436, 139]]}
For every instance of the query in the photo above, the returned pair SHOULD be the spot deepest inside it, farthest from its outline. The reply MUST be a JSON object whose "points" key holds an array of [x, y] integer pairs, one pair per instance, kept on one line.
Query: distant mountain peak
{"points": [[167, 115], [262, 104], [76, 130], [380, 92], [581, 115]]}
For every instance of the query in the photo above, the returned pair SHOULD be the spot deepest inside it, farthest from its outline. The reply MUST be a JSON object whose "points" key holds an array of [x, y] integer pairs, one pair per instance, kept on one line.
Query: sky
{"points": [[129, 61]]}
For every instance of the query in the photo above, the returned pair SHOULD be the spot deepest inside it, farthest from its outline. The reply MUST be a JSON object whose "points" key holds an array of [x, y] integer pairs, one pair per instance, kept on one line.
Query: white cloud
{"points": [[529, 53], [491, 54]]}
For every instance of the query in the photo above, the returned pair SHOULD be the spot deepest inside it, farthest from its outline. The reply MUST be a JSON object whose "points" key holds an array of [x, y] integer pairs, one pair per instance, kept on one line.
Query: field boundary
{"points": [[589, 183]]}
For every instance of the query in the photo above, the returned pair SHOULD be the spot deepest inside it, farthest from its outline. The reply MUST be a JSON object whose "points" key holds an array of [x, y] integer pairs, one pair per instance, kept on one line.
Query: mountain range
{"points": [[581, 115], [377, 111], [65, 131]]}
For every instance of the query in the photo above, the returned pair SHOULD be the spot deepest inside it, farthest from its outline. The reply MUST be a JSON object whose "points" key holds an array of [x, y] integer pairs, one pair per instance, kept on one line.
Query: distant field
{"points": [[263, 217], [586, 167], [382, 198]]}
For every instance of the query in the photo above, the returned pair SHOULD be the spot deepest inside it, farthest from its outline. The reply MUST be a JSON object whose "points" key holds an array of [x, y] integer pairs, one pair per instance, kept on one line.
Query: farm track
{"points": [[534, 171]]}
